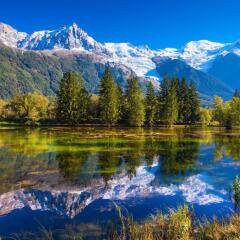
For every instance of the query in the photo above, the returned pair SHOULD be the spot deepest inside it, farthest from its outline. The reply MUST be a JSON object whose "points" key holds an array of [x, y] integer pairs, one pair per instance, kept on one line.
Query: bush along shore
{"points": [[176, 102]]}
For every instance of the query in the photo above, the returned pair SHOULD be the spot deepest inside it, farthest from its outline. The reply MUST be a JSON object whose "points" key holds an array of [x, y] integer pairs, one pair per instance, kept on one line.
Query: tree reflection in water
{"points": [[26, 155]]}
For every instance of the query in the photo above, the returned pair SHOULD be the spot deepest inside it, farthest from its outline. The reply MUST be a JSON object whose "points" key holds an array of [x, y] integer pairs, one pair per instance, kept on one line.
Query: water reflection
{"points": [[65, 171], [228, 146]]}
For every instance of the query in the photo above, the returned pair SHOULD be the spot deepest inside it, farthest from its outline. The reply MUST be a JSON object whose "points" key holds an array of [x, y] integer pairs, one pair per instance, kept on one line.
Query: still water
{"points": [[63, 179]]}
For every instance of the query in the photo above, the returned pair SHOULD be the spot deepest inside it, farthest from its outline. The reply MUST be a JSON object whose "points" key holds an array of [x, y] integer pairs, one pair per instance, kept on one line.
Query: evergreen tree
{"points": [[109, 102], [121, 105], [150, 105], [72, 99], [135, 104], [68, 98], [177, 84], [84, 99], [183, 102], [168, 102], [194, 104], [171, 106], [163, 93]]}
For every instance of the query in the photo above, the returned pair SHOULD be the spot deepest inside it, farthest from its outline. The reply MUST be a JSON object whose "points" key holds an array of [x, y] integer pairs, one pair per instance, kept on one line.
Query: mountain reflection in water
{"points": [[64, 171]]}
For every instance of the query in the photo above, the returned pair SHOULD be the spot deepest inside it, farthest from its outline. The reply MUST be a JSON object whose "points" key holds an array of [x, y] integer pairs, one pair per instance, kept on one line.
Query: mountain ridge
{"points": [[67, 40], [195, 53]]}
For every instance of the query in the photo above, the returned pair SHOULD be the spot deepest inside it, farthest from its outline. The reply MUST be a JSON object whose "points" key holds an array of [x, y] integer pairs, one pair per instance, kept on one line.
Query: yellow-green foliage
{"points": [[234, 113], [3, 105], [206, 116], [30, 106], [178, 225], [94, 105], [229, 230], [227, 113]]}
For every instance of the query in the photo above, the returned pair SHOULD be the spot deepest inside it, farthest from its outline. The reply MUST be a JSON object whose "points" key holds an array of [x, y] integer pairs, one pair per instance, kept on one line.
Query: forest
{"points": [[175, 103]]}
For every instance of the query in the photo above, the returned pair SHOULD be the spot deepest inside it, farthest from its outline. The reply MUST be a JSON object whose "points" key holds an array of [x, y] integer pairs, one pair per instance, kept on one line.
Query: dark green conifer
{"points": [[71, 99], [194, 104], [109, 99], [168, 102], [150, 105], [135, 103], [183, 102]]}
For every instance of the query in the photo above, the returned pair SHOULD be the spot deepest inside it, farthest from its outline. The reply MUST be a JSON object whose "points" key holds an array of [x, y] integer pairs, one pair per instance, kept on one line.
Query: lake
{"points": [[64, 179]]}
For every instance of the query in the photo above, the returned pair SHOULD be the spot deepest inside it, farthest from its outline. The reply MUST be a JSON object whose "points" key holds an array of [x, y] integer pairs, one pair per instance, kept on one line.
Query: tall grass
{"points": [[180, 224]]}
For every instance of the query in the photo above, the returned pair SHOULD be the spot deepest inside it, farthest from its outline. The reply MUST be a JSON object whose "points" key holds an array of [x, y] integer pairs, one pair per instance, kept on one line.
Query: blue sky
{"points": [[158, 23]]}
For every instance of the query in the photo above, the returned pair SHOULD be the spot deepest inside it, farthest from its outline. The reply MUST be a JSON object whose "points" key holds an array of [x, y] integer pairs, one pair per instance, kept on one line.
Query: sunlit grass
{"points": [[179, 224]]}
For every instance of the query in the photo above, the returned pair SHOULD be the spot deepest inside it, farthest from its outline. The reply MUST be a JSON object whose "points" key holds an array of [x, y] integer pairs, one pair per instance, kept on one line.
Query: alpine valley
{"points": [[36, 62]]}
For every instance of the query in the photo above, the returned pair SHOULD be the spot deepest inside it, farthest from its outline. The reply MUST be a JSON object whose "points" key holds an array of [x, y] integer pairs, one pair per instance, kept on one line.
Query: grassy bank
{"points": [[180, 224]]}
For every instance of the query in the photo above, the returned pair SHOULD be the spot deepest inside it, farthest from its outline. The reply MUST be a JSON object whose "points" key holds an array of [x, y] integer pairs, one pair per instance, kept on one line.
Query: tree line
{"points": [[176, 102]]}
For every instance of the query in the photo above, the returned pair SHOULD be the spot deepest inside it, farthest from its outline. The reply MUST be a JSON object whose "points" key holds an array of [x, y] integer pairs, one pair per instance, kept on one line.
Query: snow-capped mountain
{"points": [[198, 54], [9, 36], [71, 38], [72, 200]]}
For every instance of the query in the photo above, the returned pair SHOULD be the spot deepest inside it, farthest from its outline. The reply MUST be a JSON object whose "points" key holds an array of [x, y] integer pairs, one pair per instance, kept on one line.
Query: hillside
{"points": [[27, 71]]}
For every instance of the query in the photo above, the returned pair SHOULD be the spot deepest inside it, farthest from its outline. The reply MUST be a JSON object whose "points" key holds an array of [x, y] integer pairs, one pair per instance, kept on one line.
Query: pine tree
{"points": [[150, 105], [168, 102], [68, 98], [135, 104], [84, 99], [163, 93], [194, 104], [171, 106], [109, 102], [121, 105], [177, 85], [183, 102]]}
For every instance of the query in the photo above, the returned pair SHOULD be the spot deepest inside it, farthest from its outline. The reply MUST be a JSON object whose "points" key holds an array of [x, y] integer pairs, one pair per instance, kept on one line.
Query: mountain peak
{"points": [[198, 54], [74, 25], [10, 36], [202, 45], [65, 38]]}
